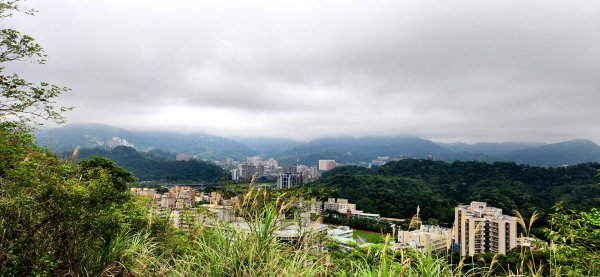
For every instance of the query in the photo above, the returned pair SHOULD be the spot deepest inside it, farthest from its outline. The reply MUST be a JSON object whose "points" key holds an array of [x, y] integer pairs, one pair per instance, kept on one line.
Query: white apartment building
{"points": [[480, 229]]}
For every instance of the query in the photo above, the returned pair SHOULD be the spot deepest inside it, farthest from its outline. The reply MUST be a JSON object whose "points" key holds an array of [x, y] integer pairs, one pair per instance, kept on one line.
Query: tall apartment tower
{"points": [[288, 180], [480, 229]]}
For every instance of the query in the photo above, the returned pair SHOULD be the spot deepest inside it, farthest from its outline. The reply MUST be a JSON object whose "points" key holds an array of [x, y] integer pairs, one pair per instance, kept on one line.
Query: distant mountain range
{"points": [[206, 146], [342, 149]]}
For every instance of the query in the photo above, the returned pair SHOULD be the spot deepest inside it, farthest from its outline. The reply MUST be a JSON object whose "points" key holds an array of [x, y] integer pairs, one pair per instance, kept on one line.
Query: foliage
{"points": [[227, 250], [575, 240], [395, 189], [63, 218], [22, 101], [77, 218], [367, 236], [147, 166], [58, 217]]}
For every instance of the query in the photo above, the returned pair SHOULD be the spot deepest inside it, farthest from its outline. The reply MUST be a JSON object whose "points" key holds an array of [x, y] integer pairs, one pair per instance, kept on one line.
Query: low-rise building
{"points": [[315, 207], [358, 213], [343, 206], [177, 204], [143, 192], [426, 238], [534, 244]]}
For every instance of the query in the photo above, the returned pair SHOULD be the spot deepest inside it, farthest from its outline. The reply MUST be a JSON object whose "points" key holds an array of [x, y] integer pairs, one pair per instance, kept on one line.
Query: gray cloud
{"points": [[448, 70]]}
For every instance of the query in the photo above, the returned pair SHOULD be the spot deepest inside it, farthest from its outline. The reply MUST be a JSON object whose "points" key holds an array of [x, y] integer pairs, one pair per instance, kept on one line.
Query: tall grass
{"points": [[225, 249], [406, 263]]}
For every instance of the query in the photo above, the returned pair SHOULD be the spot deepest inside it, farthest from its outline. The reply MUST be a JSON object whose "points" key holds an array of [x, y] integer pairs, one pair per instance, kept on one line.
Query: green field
{"points": [[369, 237]]}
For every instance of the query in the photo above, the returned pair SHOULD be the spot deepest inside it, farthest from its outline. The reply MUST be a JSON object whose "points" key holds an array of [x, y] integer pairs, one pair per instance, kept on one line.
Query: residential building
{"points": [[177, 204], [215, 198], [235, 174], [247, 171], [343, 206], [143, 191], [185, 196], [427, 238], [331, 204], [288, 180], [184, 219], [315, 207], [534, 244], [340, 205], [326, 164], [480, 229]]}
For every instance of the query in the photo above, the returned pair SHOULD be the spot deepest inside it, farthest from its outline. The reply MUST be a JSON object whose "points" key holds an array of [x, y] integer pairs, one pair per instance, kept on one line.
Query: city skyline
{"points": [[462, 71]]}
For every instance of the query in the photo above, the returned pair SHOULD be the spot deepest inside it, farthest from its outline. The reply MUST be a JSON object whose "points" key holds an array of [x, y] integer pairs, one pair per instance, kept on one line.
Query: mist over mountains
{"points": [[207, 146], [342, 149]]}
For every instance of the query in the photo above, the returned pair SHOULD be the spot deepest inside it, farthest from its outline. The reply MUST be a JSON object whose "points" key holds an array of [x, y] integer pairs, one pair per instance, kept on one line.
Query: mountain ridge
{"points": [[348, 150]]}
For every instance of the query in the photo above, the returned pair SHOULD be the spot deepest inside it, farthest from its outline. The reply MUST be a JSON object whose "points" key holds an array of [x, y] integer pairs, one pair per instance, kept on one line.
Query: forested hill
{"points": [[396, 189], [157, 165]]}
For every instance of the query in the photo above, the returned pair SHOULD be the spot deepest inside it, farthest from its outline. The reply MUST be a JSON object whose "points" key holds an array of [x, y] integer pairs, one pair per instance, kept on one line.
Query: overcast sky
{"points": [[445, 70]]}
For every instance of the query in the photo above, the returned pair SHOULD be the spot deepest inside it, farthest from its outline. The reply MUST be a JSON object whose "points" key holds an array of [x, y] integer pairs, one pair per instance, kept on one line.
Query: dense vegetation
{"points": [[68, 218], [395, 189], [157, 165], [64, 218], [58, 217]]}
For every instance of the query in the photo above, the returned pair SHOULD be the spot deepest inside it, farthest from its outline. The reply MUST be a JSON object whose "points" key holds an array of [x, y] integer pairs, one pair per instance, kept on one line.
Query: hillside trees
{"points": [[58, 217], [147, 167], [575, 240], [394, 190]]}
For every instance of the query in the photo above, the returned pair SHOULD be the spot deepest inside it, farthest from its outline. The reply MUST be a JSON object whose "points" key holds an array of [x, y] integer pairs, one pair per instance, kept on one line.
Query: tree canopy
{"points": [[22, 101], [152, 166], [395, 189]]}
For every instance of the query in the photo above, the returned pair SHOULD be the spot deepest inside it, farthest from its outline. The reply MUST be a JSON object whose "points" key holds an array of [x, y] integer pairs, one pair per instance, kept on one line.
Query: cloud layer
{"points": [[447, 70]]}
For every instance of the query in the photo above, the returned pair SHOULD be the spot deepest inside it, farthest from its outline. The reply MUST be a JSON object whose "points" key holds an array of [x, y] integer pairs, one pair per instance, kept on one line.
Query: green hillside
{"points": [[397, 188], [157, 165]]}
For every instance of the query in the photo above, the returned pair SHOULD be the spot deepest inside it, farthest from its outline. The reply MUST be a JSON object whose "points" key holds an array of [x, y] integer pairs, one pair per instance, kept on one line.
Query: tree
{"points": [[575, 240], [21, 101]]}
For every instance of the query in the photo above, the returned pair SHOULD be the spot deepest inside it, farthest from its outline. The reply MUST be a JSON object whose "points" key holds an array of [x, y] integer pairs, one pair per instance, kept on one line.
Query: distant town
{"points": [[477, 228]]}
